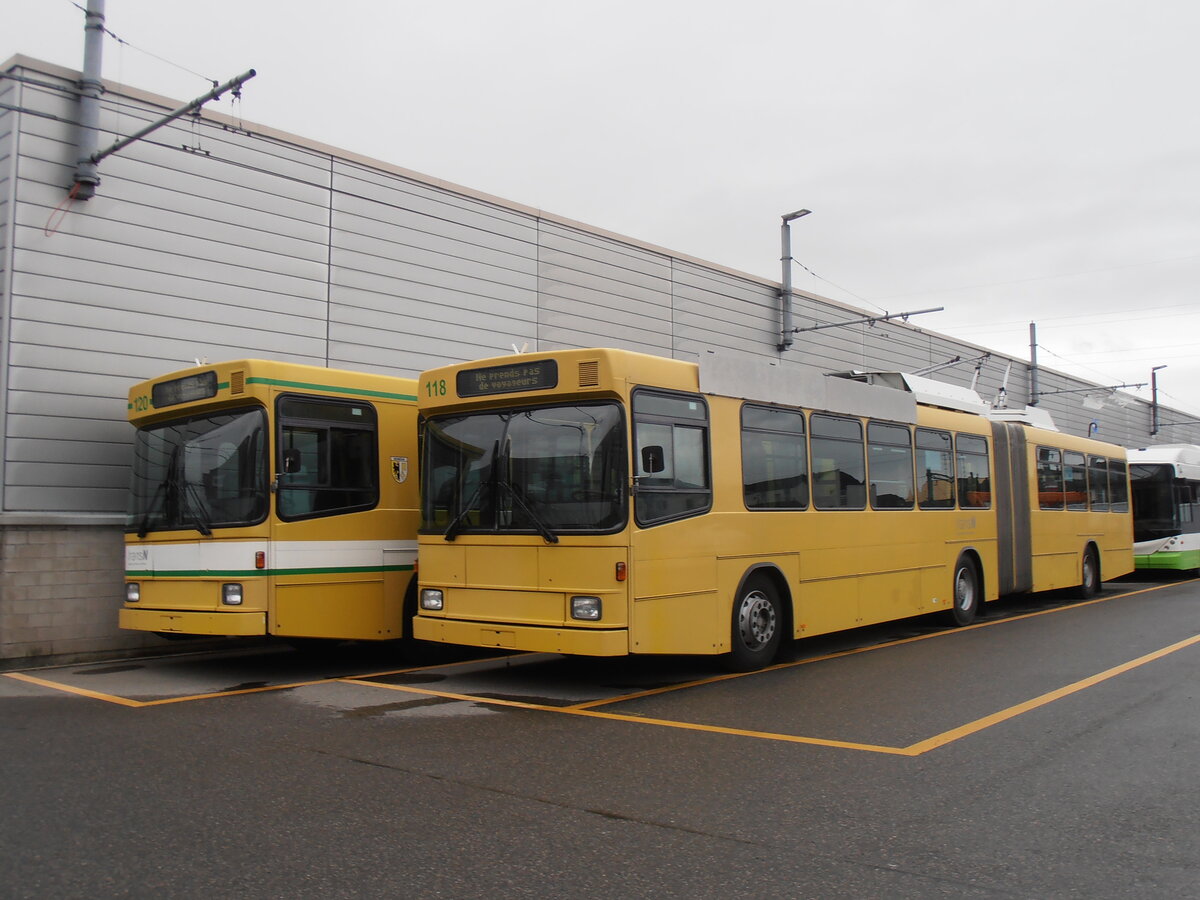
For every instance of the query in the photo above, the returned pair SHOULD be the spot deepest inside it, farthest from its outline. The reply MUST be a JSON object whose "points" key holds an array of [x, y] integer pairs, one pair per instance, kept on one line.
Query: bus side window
{"points": [[974, 481], [890, 462], [1118, 486], [1049, 478], [1189, 506], [1098, 483], [670, 456], [1075, 480], [839, 468], [328, 459], [935, 469], [774, 458]]}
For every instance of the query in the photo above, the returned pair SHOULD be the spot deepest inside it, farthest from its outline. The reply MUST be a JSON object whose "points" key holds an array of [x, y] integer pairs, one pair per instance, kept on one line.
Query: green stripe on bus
{"points": [[362, 392], [262, 573]]}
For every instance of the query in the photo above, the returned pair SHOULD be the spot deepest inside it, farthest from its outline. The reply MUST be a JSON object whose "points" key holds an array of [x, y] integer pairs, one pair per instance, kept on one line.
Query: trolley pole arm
{"points": [[232, 84]]}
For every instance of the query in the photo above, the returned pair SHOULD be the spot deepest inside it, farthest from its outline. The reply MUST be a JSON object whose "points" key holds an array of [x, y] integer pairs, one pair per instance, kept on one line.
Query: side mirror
{"points": [[653, 460]]}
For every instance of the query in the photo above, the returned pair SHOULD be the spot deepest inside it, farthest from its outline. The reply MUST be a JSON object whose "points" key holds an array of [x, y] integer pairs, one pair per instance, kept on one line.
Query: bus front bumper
{"points": [[572, 641], [1174, 560], [216, 624]]}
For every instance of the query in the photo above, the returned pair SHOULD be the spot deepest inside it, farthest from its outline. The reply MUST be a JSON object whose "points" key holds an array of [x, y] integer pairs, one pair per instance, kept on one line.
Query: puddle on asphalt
{"points": [[386, 709], [406, 678], [449, 710], [107, 670], [355, 701]]}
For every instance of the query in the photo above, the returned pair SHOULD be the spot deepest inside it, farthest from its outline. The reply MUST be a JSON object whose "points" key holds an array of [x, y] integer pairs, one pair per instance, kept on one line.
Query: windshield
{"points": [[547, 470], [200, 473], [1162, 506]]}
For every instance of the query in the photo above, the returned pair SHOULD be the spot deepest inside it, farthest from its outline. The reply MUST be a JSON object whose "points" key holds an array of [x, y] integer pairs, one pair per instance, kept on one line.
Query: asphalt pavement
{"points": [[1050, 751]]}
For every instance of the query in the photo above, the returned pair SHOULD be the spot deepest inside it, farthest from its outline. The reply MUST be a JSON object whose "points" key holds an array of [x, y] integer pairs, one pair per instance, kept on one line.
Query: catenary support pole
{"points": [[785, 294], [1034, 393], [86, 177]]}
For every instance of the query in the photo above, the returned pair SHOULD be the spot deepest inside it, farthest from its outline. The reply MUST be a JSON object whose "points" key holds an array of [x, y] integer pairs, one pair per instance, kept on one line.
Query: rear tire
{"points": [[1089, 576], [966, 595], [756, 626]]}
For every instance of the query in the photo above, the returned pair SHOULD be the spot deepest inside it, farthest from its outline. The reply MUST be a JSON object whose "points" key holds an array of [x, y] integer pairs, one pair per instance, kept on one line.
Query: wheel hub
{"points": [[756, 620], [964, 593]]}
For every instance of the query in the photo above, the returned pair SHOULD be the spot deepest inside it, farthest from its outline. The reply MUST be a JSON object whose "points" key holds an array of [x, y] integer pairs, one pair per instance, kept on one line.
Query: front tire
{"points": [[756, 626]]}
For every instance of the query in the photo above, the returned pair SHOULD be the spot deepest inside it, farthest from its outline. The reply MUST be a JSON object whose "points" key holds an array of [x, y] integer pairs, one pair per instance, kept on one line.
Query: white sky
{"points": [[1016, 161]]}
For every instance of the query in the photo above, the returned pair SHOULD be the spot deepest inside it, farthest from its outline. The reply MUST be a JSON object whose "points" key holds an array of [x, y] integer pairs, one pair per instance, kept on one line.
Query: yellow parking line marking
{"points": [[640, 720], [137, 704], [716, 679], [917, 749], [254, 690], [83, 692], [955, 734]]}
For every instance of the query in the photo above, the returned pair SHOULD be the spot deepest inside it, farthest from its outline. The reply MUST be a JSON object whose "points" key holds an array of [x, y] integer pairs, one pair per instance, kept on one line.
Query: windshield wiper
{"points": [[452, 529], [163, 488], [196, 508], [499, 474], [538, 523], [159, 492]]}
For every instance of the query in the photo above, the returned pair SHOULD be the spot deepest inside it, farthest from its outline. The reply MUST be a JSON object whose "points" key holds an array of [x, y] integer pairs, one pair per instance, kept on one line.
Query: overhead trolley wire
{"points": [[162, 59]]}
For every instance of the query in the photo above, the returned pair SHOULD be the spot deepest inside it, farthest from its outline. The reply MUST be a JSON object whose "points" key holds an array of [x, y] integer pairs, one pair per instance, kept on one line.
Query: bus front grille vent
{"points": [[237, 383], [589, 373]]}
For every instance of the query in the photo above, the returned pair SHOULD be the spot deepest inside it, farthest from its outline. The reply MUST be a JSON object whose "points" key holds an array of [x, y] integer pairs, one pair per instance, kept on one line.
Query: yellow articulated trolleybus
{"points": [[602, 502], [272, 499]]}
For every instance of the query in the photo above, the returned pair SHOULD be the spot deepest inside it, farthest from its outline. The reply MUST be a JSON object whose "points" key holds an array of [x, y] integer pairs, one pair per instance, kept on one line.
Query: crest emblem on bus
{"points": [[400, 469]]}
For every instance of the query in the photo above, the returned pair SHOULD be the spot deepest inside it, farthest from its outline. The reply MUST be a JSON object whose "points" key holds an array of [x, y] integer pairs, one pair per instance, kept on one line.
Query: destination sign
{"points": [[184, 390], [538, 375]]}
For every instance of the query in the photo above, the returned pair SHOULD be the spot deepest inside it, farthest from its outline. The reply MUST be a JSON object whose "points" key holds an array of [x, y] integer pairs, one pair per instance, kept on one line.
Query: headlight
{"points": [[586, 608], [231, 594], [431, 598], [133, 592]]}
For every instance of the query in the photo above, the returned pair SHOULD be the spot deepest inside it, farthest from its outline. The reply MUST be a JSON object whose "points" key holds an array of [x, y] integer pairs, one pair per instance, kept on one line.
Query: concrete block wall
{"points": [[60, 589]]}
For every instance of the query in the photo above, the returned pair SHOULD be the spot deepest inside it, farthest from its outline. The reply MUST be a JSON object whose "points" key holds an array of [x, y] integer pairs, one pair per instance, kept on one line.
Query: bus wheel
{"points": [[757, 626], [966, 592], [1089, 576]]}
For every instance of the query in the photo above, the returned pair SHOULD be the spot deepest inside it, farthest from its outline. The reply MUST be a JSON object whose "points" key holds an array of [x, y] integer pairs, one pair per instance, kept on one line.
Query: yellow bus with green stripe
{"points": [[272, 499]]}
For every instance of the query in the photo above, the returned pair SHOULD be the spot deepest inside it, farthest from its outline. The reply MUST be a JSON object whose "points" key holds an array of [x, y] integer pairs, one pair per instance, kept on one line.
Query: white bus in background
{"points": [[1165, 481]]}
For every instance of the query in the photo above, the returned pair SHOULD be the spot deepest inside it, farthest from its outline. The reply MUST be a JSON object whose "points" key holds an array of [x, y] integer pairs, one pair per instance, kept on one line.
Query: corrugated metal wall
{"points": [[10, 97], [415, 271], [205, 241]]}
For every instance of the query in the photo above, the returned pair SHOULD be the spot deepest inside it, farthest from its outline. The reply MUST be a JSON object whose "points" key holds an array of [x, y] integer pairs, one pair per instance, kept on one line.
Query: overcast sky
{"points": [[1017, 161]]}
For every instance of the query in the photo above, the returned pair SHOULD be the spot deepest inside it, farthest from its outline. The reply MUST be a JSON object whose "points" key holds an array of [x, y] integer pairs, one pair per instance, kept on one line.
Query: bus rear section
{"points": [[1063, 504]]}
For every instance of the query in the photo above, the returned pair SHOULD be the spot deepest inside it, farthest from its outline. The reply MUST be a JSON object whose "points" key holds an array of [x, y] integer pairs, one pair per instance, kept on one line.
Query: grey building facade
{"points": [[215, 239]]}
